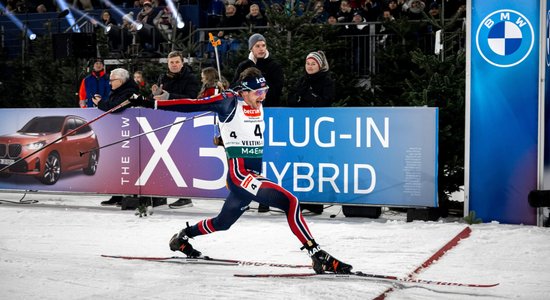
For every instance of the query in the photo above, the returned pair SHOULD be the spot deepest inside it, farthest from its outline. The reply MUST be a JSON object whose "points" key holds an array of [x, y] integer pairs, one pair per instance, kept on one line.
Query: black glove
{"points": [[138, 100]]}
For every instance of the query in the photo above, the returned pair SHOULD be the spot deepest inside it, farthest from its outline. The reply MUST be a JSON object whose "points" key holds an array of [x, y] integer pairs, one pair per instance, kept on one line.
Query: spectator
{"points": [[370, 9], [41, 8], [332, 7], [414, 8], [320, 16], [146, 16], [316, 87], [230, 19], [331, 20], [434, 10], [96, 83], [141, 83], [84, 4], [260, 58], [359, 27], [148, 34], [179, 82], [395, 8], [122, 88], [127, 22], [107, 18], [215, 13], [384, 30], [255, 16], [345, 13], [359, 42], [271, 70], [243, 8], [211, 83], [165, 22]]}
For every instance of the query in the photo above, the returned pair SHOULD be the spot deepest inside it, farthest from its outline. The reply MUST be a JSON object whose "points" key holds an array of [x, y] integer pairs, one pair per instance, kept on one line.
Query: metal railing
{"points": [[361, 49]]}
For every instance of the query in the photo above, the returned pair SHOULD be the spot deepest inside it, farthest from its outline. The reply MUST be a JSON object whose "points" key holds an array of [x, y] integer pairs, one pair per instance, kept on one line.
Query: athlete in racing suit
{"points": [[242, 127]]}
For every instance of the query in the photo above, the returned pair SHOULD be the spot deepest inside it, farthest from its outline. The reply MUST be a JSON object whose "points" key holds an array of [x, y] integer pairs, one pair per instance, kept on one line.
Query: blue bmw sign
{"points": [[503, 109]]}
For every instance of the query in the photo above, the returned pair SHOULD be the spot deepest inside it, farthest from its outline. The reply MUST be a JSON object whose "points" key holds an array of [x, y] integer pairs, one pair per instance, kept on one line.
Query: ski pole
{"points": [[215, 44], [144, 133], [67, 134]]}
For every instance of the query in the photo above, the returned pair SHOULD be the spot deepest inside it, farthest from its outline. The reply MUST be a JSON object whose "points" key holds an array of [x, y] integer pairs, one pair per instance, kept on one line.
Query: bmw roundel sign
{"points": [[505, 38]]}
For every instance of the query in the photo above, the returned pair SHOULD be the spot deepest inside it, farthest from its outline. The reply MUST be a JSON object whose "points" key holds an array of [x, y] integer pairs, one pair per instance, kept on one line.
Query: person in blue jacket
{"points": [[96, 83]]}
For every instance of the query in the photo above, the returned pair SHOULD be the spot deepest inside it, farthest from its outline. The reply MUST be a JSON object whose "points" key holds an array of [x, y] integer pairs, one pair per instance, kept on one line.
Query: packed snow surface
{"points": [[52, 250]]}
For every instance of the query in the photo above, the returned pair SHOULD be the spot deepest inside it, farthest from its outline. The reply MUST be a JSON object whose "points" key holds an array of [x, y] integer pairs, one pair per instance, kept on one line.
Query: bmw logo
{"points": [[505, 38]]}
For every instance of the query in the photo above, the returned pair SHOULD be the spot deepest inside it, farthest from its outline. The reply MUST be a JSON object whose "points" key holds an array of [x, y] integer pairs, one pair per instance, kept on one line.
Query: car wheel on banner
{"points": [[52, 169], [92, 166]]}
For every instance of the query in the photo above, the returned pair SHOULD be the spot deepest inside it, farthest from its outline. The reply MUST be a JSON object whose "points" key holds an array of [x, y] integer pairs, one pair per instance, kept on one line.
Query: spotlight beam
{"points": [[69, 17], [18, 23], [175, 14], [88, 17], [119, 12]]}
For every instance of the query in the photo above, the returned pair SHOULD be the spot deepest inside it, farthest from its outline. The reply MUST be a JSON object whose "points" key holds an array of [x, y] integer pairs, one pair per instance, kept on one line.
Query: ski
{"points": [[366, 276], [205, 260]]}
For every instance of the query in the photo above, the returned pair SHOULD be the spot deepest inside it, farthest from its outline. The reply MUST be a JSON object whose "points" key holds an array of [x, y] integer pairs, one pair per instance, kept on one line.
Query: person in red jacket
{"points": [[211, 83], [97, 83]]}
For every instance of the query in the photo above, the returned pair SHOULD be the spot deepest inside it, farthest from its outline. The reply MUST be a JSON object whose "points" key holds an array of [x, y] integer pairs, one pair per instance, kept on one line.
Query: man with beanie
{"points": [[259, 57]]}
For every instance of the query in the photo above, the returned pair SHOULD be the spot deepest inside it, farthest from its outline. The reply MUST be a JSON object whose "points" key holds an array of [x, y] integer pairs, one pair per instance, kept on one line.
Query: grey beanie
{"points": [[256, 37]]}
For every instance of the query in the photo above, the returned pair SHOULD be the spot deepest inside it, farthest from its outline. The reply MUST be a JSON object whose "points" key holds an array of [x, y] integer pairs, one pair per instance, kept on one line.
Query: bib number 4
{"points": [[251, 184]]}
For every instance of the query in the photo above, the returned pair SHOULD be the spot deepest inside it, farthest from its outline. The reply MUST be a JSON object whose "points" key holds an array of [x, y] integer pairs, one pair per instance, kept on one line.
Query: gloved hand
{"points": [[163, 96], [138, 100]]}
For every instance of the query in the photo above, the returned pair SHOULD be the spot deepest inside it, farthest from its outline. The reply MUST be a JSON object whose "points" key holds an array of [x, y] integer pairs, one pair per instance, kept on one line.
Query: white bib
{"points": [[243, 136]]}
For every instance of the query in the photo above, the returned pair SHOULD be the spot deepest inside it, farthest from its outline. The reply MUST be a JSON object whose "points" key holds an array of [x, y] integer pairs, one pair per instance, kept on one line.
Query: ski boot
{"points": [[323, 262], [180, 242]]}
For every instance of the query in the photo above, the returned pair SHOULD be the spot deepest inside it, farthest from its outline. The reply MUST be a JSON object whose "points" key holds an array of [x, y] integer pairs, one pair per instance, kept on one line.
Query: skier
{"points": [[242, 127]]}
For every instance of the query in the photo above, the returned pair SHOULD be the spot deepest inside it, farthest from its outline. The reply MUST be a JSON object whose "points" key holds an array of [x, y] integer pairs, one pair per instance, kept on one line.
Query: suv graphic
{"points": [[48, 164]]}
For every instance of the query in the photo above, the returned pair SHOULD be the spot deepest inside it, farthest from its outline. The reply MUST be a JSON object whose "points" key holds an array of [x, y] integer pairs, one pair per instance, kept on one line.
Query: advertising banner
{"points": [[503, 108], [379, 156]]}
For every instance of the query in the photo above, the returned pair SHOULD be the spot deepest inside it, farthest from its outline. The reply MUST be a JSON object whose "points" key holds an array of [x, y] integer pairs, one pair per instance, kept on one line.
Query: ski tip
{"points": [[491, 285]]}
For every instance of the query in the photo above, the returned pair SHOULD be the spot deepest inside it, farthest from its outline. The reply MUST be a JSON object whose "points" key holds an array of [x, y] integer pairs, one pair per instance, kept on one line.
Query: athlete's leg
{"points": [[276, 196], [231, 211]]}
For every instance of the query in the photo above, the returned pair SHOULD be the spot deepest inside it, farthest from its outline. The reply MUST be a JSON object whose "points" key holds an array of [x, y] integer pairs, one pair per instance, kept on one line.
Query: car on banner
{"points": [[62, 152]]}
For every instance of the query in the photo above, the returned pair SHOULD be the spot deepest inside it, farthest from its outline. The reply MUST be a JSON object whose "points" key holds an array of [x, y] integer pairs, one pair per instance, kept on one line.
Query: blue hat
{"points": [[253, 83]]}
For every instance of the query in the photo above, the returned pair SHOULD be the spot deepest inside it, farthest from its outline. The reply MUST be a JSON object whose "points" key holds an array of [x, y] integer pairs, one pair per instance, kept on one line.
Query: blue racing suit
{"points": [[241, 128]]}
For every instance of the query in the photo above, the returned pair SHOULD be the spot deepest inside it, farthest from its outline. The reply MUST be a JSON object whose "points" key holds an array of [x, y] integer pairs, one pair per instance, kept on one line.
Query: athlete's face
{"points": [[254, 98]]}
